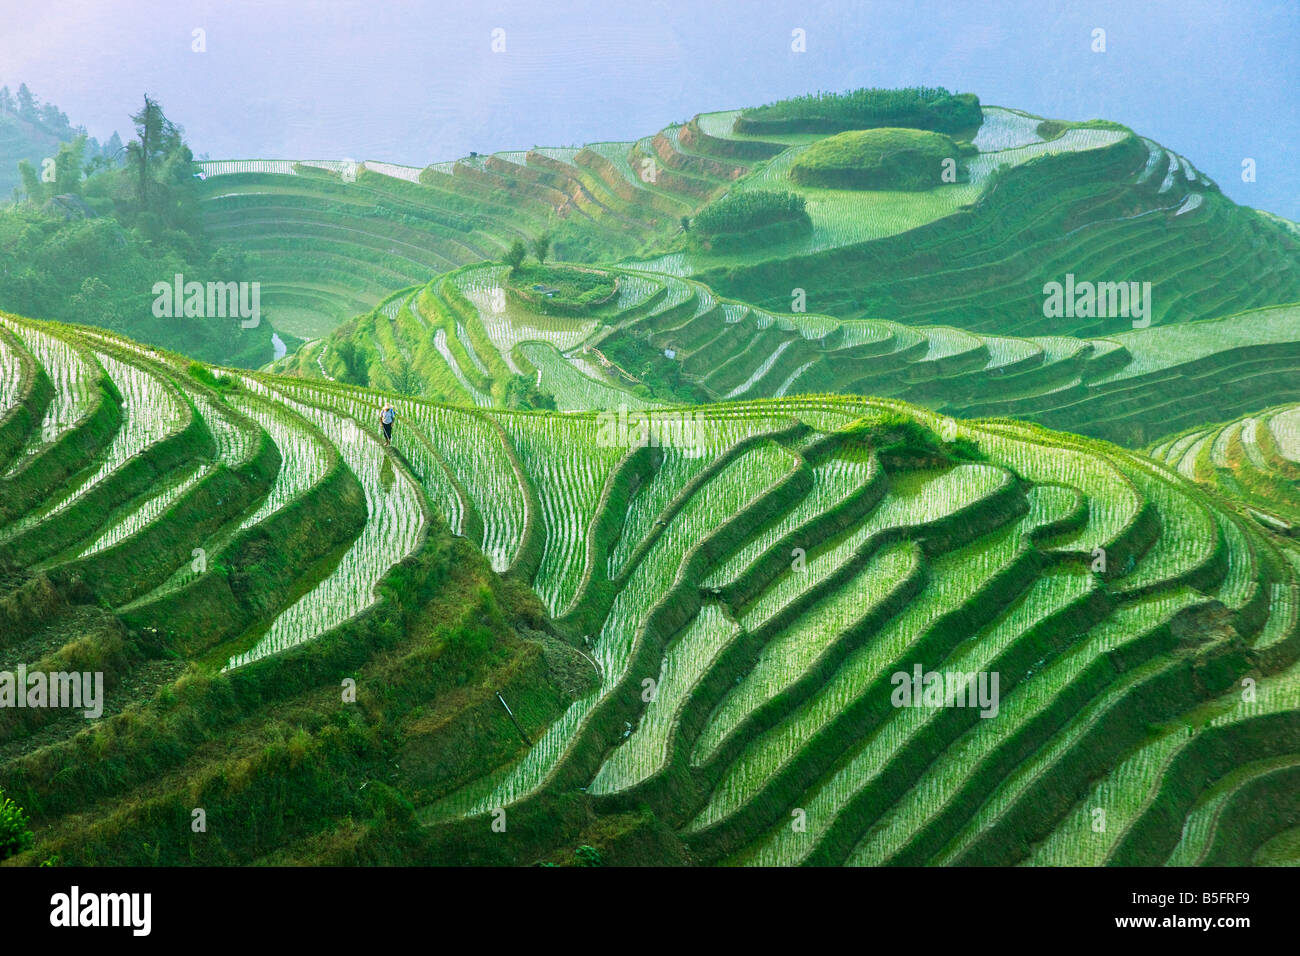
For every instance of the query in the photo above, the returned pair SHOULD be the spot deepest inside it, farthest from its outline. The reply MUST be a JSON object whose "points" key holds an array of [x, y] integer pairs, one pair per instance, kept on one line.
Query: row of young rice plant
{"points": [[1219, 447], [899, 738], [580, 359], [1284, 605], [1154, 154], [723, 496], [10, 377], [945, 342], [1189, 534], [475, 450], [1171, 173], [1200, 830], [150, 412], [954, 578], [634, 289], [704, 298], [455, 347], [1161, 450], [757, 375], [568, 468], [1128, 789], [914, 497], [1187, 464], [142, 515], [1071, 141], [671, 265], [468, 443], [788, 655], [1029, 699], [788, 385], [834, 479], [233, 443], [687, 659], [1005, 129], [475, 359], [1037, 455], [235, 439], [393, 529], [73, 376], [617, 155], [409, 173], [1171, 451], [1004, 351], [491, 482], [1122, 794], [305, 456], [1250, 442], [480, 398], [574, 388], [679, 465], [411, 305], [867, 331], [231, 167], [1163, 346], [1285, 428], [1243, 572], [810, 325], [826, 418], [507, 322], [901, 730], [733, 312], [433, 476], [409, 438]]}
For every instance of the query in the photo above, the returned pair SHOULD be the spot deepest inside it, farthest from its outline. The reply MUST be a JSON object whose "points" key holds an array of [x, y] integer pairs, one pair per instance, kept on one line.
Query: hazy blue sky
{"points": [[418, 82]]}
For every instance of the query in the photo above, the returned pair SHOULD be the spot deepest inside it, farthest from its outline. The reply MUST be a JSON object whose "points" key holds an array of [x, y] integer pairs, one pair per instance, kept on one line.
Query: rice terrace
{"points": [[885, 476]]}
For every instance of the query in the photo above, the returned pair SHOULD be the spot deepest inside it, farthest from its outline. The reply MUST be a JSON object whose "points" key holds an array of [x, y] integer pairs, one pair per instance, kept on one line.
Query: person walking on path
{"points": [[386, 417]]}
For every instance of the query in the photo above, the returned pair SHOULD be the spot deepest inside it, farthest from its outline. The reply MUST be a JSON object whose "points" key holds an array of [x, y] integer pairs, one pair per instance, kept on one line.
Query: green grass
{"points": [[885, 158]]}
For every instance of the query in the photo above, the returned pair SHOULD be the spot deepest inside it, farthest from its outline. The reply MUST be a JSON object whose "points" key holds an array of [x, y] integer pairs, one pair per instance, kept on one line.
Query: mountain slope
{"points": [[460, 337], [709, 656], [1035, 200]]}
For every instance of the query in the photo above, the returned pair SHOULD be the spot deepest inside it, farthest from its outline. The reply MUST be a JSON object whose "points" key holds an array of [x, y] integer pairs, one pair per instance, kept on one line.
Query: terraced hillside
{"points": [[1037, 199], [662, 339], [314, 639], [1253, 460], [333, 238], [1095, 201]]}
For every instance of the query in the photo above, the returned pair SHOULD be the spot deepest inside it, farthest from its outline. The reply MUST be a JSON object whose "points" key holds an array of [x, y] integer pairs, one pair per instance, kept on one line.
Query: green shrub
{"points": [[741, 212], [515, 255], [14, 833], [522, 392], [933, 108], [1051, 129], [354, 360], [571, 291], [893, 433], [878, 159], [202, 373], [588, 856]]}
